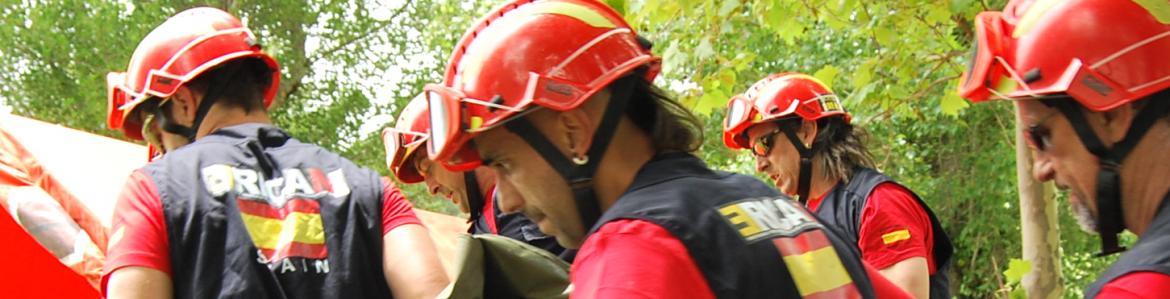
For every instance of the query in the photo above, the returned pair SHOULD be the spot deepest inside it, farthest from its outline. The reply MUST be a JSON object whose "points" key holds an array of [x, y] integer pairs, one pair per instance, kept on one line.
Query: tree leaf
{"points": [[938, 14], [728, 7], [864, 73], [885, 36], [705, 50], [672, 58], [710, 100], [826, 74], [727, 78], [951, 103], [618, 5], [1016, 270]]}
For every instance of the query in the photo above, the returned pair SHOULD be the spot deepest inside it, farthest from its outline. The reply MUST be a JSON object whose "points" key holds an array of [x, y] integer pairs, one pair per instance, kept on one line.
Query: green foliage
{"points": [[1017, 268], [344, 64], [896, 64], [1015, 272]]}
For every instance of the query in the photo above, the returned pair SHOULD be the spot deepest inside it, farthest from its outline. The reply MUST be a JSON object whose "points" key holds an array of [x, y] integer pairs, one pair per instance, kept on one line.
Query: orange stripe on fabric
{"points": [[263, 209], [802, 243], [296, 249]]}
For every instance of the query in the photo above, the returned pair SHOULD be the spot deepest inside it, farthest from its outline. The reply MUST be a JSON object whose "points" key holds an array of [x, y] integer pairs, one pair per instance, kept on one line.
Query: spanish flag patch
{"points": [[898, 235], [294, 230]]}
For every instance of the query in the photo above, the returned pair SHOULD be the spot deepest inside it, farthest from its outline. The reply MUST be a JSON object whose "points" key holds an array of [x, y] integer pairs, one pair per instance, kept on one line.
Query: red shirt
{"points": [[1137, 285], [139, 231], [639, 259], [893, 227]]}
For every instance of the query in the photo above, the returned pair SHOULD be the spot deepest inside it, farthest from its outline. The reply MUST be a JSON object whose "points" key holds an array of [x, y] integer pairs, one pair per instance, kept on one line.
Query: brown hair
{"points": [[839, 146], [241, 83], [671, 126]]}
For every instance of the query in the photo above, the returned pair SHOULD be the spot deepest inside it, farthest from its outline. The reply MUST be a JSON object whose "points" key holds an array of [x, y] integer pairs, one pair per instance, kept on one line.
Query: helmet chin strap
{"points": [[580, 176], [806, 155], [475, 200], [1110, 220]]}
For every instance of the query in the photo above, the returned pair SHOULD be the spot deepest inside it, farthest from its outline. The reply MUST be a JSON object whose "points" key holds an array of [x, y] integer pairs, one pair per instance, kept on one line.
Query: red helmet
{"points": [[553, 54], [179, 50], [774, 97], [1103, 53], [408, 134]]}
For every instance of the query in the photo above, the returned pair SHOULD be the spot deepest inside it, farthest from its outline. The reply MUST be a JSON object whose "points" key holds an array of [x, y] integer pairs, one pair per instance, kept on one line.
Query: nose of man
{"points": [[1042, 169]]}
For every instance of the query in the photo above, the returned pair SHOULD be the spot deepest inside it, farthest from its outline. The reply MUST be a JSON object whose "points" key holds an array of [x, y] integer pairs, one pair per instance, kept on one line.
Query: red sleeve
{"points": [[139, 235], [894, 227], [882, 287], [1137, 285], [627, 258], [396, 210]]}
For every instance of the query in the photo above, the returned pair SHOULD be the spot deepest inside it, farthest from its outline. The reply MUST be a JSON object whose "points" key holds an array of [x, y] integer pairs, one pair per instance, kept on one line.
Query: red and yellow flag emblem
{"points": [[294, 230], [815, 266]]}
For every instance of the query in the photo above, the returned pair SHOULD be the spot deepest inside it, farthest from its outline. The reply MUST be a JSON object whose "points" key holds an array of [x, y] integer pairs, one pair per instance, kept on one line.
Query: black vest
{"points": [[518, 227], [1151, 253], [737, 230], [842, 208], [252, 213]]}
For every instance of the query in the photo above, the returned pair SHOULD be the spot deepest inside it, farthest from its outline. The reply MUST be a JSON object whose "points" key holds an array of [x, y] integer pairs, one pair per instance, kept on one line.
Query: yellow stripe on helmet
{"points": [[576, 11], [1033, 15]]}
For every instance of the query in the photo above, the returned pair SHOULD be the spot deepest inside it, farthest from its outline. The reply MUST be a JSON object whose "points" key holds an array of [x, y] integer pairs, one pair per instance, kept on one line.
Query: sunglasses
{"points": [[763, 144]]}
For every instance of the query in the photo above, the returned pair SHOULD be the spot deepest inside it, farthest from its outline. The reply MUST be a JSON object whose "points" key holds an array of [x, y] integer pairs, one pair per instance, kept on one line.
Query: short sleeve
{"points": [[894, 227], [396, 210], [139, 235]]}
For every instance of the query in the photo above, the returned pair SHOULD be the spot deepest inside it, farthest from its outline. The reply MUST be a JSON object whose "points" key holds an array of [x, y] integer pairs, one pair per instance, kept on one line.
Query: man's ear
{"points": [[1116, 122], [808, 132], [184, 105], [576, 132]]}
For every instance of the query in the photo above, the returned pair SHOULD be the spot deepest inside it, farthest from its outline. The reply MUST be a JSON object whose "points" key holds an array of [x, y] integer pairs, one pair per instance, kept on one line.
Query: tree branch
{"points": [[379, 26], [932, 85]]}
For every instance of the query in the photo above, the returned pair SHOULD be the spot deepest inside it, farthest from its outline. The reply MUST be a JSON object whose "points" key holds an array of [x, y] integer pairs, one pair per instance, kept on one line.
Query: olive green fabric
{"points": [[492, 266]]}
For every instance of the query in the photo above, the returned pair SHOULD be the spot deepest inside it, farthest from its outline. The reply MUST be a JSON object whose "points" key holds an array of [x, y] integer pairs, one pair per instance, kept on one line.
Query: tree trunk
{"points": [[1040, 232]]}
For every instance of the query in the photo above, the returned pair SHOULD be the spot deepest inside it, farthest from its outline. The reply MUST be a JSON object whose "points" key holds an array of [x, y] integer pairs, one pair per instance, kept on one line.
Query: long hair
{"points": [[671, 126], [839, 147]]}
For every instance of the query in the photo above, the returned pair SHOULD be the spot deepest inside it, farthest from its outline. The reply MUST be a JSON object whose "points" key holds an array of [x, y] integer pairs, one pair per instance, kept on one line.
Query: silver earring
{"points": [[582, 160]]}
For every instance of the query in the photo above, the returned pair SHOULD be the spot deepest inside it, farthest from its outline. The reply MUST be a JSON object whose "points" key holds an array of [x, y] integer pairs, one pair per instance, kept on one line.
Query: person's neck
{"points": [[220, 116], [1144, 179], [485, 178], [821, 183], [627, 153]]}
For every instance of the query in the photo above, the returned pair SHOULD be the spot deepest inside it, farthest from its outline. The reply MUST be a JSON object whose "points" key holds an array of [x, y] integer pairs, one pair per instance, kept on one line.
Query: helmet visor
{"points": [[448, 141], [738, 110], [986, 68], [400, 144]]}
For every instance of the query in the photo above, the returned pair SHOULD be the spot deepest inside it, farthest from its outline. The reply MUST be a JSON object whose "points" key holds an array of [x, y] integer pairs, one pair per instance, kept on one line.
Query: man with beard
{"points": [[1090, 81]]}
